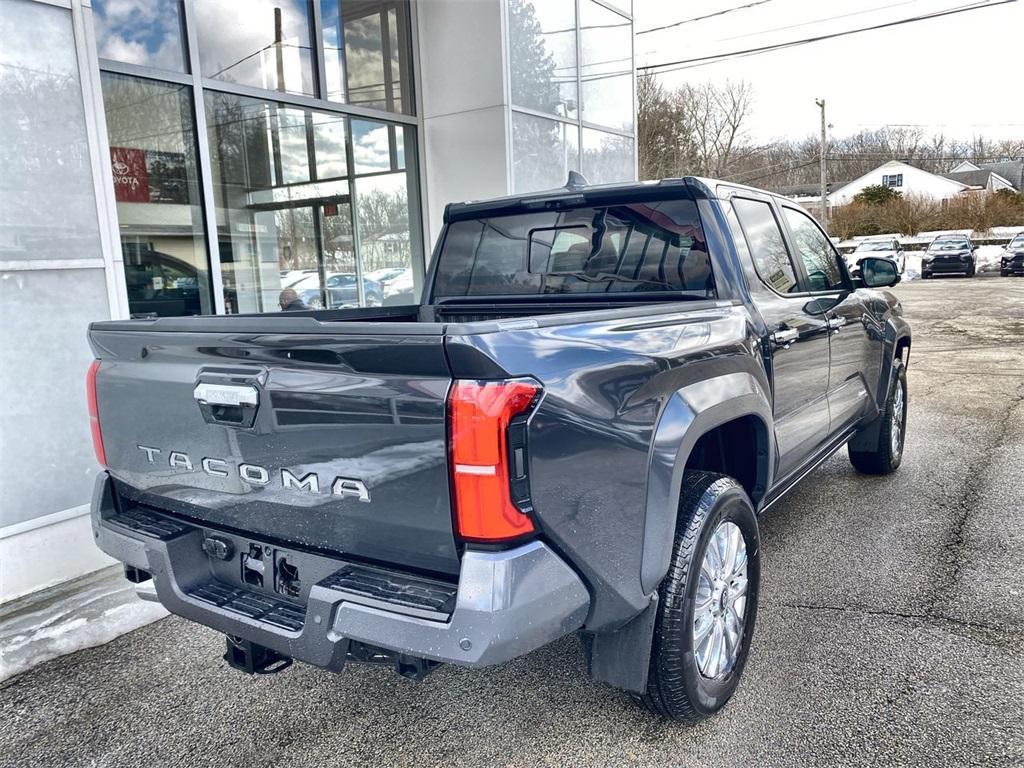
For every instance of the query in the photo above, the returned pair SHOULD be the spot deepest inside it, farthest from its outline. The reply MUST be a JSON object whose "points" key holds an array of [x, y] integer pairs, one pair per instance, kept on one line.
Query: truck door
{"points": [[855, 339], [798, 335]]}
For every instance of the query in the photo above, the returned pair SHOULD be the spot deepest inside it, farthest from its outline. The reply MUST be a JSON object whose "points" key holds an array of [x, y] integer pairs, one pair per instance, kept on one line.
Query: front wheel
{"points": [[707, 601], [885, 455]]}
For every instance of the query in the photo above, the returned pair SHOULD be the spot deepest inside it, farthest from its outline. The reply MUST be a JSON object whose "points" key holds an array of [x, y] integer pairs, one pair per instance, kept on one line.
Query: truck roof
{"points": [[577, 190]]}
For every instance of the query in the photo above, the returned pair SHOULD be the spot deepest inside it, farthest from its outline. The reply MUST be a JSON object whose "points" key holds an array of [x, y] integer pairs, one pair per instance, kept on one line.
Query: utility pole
{"points": [[824, 175]]}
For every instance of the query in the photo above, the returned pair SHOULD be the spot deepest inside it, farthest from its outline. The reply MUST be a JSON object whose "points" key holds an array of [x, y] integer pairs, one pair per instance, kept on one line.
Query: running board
{"points": [[799, 474]]}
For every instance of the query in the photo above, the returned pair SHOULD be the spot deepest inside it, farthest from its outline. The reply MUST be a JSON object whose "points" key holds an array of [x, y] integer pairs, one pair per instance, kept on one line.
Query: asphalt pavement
{"points": [[891, 628]]}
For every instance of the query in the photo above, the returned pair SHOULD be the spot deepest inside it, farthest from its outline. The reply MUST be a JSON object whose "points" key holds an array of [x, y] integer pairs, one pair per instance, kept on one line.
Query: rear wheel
{"points": [[707, 601], [886, 455]]}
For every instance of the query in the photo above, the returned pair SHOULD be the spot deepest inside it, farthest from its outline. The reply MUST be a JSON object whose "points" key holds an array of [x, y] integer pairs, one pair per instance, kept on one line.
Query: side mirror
{"points": [[878, 273]]}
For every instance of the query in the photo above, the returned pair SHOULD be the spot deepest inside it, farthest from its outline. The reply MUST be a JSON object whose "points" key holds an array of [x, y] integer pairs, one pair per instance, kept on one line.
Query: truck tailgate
{"points": [[334, 443]]}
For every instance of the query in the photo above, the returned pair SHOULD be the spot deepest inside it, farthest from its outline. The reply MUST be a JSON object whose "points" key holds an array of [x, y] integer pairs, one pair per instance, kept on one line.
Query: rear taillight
{"points": [[94, 413], [479, 416]]}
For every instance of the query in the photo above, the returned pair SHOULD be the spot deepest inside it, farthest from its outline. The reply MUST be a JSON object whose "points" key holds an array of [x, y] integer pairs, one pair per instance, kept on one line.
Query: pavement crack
{"points": [[996, 634], [951, 569]]}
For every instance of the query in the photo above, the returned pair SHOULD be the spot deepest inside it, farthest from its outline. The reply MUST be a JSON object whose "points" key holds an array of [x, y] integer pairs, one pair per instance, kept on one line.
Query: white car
{"points": [[879, 248]]}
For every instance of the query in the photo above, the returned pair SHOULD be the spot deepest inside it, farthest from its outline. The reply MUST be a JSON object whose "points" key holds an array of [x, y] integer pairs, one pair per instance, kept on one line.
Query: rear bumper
{"points": [[507, 603]]}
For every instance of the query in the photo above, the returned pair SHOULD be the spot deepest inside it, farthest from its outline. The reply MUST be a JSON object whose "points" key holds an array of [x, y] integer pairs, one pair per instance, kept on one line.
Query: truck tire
{"points": [[887, 454], [707, 601]]}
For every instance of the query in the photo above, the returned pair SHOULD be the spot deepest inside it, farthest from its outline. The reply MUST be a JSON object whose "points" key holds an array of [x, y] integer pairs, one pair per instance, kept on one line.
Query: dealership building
{"points": [[179, 157]]}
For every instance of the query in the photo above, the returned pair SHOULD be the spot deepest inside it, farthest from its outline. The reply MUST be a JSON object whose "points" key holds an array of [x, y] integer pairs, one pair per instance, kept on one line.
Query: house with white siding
{"points": [[903, 178]]}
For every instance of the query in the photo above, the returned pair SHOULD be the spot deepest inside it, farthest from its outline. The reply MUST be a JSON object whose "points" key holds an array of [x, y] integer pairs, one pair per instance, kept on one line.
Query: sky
{"points": [[959, 75]]}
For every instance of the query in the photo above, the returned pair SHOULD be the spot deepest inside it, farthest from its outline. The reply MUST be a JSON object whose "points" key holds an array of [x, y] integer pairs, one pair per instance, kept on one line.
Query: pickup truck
{"points": [[574, 432]]}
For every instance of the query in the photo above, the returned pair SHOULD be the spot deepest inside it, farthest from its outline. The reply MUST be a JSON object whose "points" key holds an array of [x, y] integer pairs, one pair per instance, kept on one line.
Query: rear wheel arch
{"points": [[682, 441]]}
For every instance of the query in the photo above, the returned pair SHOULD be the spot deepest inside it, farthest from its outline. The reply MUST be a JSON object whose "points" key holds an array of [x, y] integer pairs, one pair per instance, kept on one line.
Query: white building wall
{"points": [[56, 276], [915, 182], [463, 102]]}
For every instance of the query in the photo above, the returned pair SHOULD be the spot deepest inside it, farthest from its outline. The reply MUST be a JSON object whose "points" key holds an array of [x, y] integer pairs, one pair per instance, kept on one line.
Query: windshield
{"points": [[1017, 242], [877, 245], [948, 245], [653, 247]]}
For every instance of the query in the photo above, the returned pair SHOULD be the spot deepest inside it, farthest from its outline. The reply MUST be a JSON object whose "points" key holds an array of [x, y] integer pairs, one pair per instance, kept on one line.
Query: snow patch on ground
{"points": [[989, 257], [912, 267], [92, 611]]}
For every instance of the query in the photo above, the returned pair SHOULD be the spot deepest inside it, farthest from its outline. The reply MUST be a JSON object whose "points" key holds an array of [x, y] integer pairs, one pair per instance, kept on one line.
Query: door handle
{"points": [[784, 337]]}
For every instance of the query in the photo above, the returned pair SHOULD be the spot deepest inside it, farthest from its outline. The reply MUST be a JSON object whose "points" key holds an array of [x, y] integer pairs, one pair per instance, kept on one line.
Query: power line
{"points": [[672, 66], [820, 21], [701, 18]]}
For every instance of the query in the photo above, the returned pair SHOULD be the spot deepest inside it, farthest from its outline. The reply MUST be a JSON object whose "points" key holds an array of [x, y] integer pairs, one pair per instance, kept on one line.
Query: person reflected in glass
{"points": [[290, 301]]}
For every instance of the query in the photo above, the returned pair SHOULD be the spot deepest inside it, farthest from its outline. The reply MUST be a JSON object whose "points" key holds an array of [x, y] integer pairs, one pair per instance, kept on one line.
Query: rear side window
{"points": [[767, 246], [820, 260], [651, 247]]}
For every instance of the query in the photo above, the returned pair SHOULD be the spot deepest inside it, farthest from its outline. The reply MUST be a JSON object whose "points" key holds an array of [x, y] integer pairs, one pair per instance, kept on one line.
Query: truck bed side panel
{"points": [[606, 384]]}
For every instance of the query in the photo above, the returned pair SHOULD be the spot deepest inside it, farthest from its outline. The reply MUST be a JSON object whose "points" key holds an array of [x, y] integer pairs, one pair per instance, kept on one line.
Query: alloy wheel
{"points": [[720, 602], [896, 431]]}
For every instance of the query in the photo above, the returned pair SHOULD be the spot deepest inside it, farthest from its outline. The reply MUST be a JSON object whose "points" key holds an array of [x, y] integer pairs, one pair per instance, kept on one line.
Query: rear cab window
{"points": [[654, 247]]}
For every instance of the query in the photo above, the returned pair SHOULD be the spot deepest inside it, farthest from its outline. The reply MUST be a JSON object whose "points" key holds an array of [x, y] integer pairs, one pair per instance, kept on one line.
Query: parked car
{"points": [[342, 291], [884, 248], [1011, 262], [575, 431], [949, 254], [160, 284], [383, 276], [401, 285]]}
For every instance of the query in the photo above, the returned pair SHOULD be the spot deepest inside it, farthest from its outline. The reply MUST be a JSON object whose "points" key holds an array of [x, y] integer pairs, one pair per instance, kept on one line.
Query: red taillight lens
{"points": [[94, 413], [479, 414]]}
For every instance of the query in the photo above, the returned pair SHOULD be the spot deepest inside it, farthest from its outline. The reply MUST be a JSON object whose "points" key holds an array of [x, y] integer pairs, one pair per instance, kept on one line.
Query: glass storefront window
{"points": [[293, 211], [152, 138], [606, 66], [543, 152], [542, 54], [261, 44], [144, 32], [607, 157], [367, 53]]}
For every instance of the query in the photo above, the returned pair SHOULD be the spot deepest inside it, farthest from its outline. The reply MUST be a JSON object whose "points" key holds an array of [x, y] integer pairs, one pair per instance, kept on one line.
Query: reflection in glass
{"points": [[654, 246], [47, 198], [821, 262], [144, 32], [262, 43], [156, 185], [367, 52], [285, 192], [768, 249], [606, 67], [607, 157], [543, 152], [542, 55]]}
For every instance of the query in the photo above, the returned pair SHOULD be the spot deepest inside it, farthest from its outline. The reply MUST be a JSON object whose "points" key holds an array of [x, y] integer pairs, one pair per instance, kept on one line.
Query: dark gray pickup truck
{"points": [[574, 432]]}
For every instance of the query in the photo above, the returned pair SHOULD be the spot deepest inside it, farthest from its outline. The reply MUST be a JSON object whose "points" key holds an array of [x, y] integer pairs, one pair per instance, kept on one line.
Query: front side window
{"points": [[767, 246], [651, 247], [815, 251]]}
